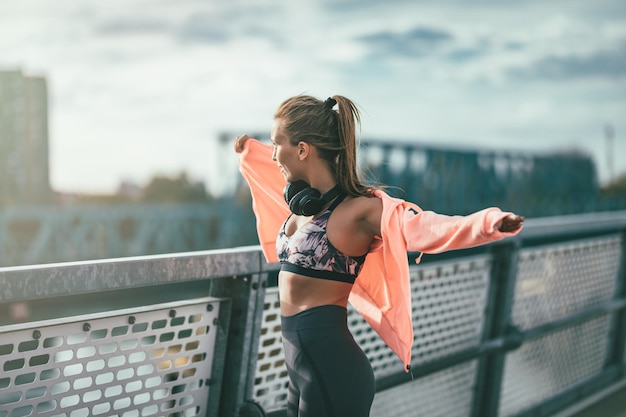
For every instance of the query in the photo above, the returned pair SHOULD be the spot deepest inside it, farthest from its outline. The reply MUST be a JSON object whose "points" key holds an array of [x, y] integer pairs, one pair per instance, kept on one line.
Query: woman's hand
{"points": [[239, 142], [510, 223]]}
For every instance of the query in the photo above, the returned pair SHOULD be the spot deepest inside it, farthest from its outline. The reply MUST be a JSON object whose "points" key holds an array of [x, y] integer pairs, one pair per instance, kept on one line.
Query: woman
{"points": [[326, 227]]}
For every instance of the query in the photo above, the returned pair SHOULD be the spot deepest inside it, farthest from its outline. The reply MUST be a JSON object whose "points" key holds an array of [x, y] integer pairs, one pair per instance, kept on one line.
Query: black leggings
{"points": [[329, 374]]}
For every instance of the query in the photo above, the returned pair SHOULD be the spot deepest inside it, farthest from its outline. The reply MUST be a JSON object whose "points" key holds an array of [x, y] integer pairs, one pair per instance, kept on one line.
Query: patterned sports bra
{"points": [[309, 252]]}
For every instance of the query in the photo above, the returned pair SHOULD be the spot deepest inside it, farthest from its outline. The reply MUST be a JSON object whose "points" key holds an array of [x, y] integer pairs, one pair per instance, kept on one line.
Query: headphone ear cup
{"points": [[306, 202], [293, 188]]}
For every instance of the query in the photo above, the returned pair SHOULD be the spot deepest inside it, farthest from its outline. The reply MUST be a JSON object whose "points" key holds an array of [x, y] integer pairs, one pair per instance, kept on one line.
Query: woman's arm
{"points": [[430, 232]]}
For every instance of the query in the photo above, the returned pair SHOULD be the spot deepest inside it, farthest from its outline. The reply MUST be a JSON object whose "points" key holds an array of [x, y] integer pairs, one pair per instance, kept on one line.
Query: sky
{"points": [[139, 88]]}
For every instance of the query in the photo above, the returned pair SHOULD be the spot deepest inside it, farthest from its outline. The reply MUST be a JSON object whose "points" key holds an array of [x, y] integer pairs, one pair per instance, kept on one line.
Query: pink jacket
{"points": [[382, 291]]}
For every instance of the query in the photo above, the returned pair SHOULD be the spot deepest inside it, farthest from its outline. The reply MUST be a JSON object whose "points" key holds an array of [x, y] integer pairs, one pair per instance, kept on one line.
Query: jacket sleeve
{"points": [[430, 232], [266, 186]]}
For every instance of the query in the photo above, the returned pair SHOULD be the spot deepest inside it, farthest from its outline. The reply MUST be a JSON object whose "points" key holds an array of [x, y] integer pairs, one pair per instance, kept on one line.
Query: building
{"points": [[24, 152]]}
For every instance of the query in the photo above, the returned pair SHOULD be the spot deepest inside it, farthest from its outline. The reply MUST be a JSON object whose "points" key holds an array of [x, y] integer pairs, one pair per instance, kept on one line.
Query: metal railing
{"points": [[523, 327]]}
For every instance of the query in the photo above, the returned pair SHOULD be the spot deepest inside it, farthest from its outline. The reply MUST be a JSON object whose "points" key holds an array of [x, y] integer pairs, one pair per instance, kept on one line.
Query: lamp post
{"points": [[609, 135]]}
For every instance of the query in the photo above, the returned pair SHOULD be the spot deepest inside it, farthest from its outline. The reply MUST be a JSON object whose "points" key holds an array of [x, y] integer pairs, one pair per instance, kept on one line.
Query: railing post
{"points": [[4, 246], [617, 349], [497, 325], [246, 293]]}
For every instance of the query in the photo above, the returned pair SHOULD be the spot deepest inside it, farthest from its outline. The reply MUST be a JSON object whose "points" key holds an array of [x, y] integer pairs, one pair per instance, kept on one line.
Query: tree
{"points": [[616, 186], [163, 189]]}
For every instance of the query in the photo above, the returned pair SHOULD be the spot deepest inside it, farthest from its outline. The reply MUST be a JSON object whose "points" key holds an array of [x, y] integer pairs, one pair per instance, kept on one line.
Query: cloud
{"points": [[126, 26], [205, 28], [225, 23], [600, 64], [418, 41], [466, 54]]}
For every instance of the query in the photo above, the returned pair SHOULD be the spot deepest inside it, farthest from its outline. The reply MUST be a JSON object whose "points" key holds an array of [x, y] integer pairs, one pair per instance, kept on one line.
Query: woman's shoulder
{"points": [[363, 207]]}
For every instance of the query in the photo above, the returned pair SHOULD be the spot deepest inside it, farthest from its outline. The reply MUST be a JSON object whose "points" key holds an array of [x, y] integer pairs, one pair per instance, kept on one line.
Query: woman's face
{"points": [[285, 154]]}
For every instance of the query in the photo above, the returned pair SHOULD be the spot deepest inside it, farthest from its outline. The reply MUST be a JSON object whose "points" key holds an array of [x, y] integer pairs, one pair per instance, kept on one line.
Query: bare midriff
{"points": [[299, 293]]}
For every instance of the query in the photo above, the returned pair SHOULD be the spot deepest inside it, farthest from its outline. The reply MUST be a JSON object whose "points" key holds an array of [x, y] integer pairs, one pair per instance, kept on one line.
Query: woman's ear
{"points": [[303, 150]]}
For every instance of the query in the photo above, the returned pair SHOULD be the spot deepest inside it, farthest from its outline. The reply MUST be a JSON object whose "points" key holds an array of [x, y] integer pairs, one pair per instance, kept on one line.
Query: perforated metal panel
{"points": [[271, 379], [141, 362], [449, 302], [556, 281], [543, 367], [448, 306], [447, 393]]}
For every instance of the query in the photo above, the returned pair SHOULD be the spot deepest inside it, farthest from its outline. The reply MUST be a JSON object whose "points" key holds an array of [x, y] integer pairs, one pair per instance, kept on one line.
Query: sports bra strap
{"points": [[337, 201]]}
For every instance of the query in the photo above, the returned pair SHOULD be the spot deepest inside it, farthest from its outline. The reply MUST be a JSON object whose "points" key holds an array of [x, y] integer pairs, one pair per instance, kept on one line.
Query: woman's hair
{"points": [[332, 132]]}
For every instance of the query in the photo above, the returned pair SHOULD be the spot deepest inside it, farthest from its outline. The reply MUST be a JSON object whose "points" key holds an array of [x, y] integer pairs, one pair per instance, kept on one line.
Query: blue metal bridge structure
{"points": [[449, 181]]}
